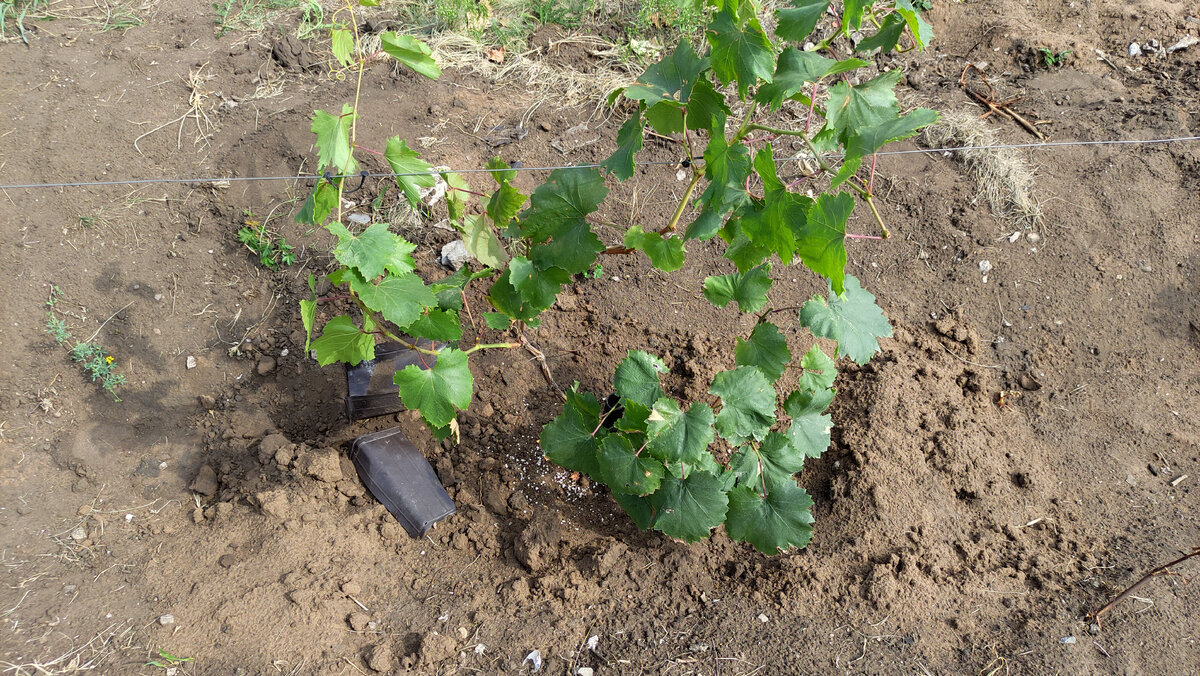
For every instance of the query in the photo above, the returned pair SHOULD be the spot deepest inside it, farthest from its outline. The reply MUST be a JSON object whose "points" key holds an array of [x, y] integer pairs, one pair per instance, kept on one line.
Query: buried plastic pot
{"points": [[400, 478], [370, 388]]}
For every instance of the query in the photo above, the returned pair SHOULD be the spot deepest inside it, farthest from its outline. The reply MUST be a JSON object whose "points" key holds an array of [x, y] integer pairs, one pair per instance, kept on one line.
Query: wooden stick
{"points": [[1161, 570]]}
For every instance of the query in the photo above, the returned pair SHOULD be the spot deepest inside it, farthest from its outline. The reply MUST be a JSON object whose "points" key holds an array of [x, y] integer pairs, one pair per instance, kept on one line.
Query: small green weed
{"points": [[169, 661], [668, 19], [14, 13], [595, 273], [565, 13], [1052, 59], [249, 15], [312, 21], [89, 355], [272, 249]]}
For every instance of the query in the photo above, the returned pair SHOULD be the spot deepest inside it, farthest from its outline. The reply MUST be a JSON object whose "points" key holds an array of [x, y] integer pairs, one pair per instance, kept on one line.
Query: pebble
{"points": [[584, 671], [164, 620], [1094, 628], [191, 362], [1033, 238], [226, 560], [1135, 49], [535, 659], [360, 219], [1144, 266], [985, 266], [79, 534], [1068, 640], [762, 617]]}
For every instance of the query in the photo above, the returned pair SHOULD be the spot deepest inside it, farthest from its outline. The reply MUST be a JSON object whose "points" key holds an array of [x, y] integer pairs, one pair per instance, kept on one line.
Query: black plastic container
{"points": [[400, 478], [370, 390]]}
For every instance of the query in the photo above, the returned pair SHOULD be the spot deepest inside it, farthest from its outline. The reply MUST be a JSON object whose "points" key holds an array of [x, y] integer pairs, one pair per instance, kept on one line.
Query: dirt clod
{"points": [[380, 657], [537, 545], [322, 464], [436, 647], [205, 482]]}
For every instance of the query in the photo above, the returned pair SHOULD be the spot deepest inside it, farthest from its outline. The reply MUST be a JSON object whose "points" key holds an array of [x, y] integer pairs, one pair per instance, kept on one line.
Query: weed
{"points": [[251, 15], [16, 12], [1052, 59], [272, 249], [312, 20], [169, 661], [565, 13], [668, 19], [595, 273], [88, 354]]}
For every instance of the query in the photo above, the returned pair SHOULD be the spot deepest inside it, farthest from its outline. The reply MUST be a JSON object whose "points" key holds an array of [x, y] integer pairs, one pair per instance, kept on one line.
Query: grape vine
{"points": [[658, 456]]}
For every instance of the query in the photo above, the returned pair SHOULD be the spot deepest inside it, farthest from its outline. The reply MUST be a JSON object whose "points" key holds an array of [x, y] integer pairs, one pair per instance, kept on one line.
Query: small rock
{"points": [[985, 266], [1033, 238], [1067, 640], [380, 658], [205, 482], [1184, 43], [358, 621], [359, 219], [1130, 479], [207, 402], [534, 658], [584, 671], [265, 366], [351, 588], [1144, 266], [191, 362], [79, 534], [455, 255], [487, 411], [227, 560], [762, 617], [1094, 628], [1135, 49], [164, 620]]}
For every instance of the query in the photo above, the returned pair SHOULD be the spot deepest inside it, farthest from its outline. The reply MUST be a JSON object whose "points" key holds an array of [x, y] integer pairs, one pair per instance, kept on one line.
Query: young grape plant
{"points": [[658, 456]]}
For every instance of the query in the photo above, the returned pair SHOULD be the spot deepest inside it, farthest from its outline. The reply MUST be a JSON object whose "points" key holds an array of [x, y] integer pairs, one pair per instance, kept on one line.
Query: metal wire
{"points": [[434, 172]]}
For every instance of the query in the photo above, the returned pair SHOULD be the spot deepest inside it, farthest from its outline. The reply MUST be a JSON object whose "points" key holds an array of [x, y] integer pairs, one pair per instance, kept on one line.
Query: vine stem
{"points": [[683, 203], [851, 236], [490, 346]]}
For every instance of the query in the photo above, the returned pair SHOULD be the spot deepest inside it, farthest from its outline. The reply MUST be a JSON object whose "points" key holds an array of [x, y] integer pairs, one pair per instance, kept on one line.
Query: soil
{"points": [[1012, 460]]}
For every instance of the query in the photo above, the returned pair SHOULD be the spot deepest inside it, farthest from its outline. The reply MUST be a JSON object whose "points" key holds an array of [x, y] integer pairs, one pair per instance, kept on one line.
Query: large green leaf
{"points": [[665, 253], [440, 325], [821, 241], [538, 287], [342, 46], [638, 508], [866, 141], [726, 167], [629, 142], [774, 223], [744, 253], [558, 211], [749, 289], [411, 52], [886, 37], [320, 203], [851, 109], [773, 523], [795, 70], [679, 437], [405, 160], [851, 318], [626, 472], [569, 440], [921, 30], [505, 297], [747, 404], [440, 391], [482, 243], [797, 22], [373, 251], [637, 375], [671, 79], [706, 108], [767, 349], [342, 341], [504, 204], [819, 370], [333, 140], [688, 509], [399, 298], [809, 432], [773, 461], [740, 52]]}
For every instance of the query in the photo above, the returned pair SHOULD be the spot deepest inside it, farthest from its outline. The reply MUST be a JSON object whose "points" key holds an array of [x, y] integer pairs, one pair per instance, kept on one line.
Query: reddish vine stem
{"points": [[369, 150], [1161, 570], [851, 236], [467, 307]]}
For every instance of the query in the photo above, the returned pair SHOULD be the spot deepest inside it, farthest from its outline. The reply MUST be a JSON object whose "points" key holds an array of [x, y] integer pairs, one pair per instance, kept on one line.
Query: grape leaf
{"points": [[373, 251], [501, 172], [821, 242], [665, 253], [343, 46], [497, 321], [568, 441], [482, 243], [922, 31], [505, 298], [456, 188], [438, 325], [766, 349], [333, 140], [625, 472], [798, 22], [636, 377], [809, 432], [851, 318], [774, 523], [342, 341], [819, 370], [629, 142], [867, 141], [320, 203], [399, 298], [504, 204], [558, 211], [706, 108], [749, 289], [726, 167], [744, 253], [795, 70], [404, 160], [411, 52], [671, 79], [438, 391], [852, 14], [308, 315], [537, 287], [871, 103], [633, 418], [773, 224], [678, 437], [747, 404], [886, 37], [743, 53], [688, 509], [638, 508], [774, 461]]}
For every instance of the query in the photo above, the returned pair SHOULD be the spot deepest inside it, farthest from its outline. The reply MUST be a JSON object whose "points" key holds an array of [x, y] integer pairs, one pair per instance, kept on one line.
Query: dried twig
{"points": [[541, 360], [1161, 570]]}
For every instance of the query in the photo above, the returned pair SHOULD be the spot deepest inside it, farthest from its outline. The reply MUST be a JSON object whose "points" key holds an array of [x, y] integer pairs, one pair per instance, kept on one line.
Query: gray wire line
{"points": [[434, 172]]}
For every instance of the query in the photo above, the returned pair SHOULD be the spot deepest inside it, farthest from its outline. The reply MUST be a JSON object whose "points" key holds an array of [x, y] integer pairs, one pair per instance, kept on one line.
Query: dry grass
{"points": [[1003, 178], [91, 656]]}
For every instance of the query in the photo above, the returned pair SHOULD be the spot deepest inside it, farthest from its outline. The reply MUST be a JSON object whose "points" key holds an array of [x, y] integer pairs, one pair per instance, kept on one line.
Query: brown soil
{"points": [[953, 535]]}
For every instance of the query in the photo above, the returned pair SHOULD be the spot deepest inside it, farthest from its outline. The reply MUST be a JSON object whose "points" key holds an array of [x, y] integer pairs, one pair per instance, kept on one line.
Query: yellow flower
{"points": [[108, 359]]}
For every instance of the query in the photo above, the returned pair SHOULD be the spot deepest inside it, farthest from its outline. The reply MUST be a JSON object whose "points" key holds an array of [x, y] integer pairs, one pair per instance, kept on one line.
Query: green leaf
{"points": [[634, 419], [851, 109], [774, 461], [369, 3], [749, 289], [629, 142], [456, 203], [504, 204], [678, 437], [671, 79], [706, 108], [851, 318], [774, 523], [505, 298], [809, 432], [568, 440], [482, 243], [637, 507], [795, 70], [343, 46], [852, 14], [636, 377], [373, 251], [740, 52], [867, 141], [440, 325], [819, 370], [798, 22], [558, 211], [320, 203], [399, 298], [333, 140], [308, 315], [342, 341], [767, 349], [665, 253], [771, 224], [886, 37], [537, 287], [922, 31], [497, 321], [726, 167], [501, 172], [747, 404], [744, 253], [821, 241], [404, 160], [438, 391], [688, 509], [411, 52], [625, 472], [666, 117]]}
